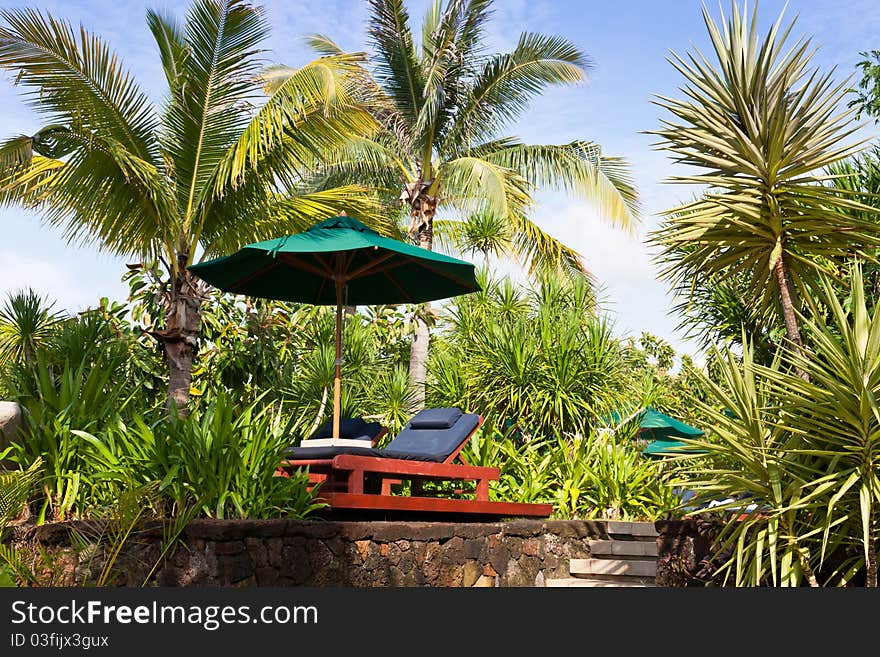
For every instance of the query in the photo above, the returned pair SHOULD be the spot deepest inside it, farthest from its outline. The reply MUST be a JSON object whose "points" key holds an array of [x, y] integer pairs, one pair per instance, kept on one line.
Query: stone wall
{"points": [[326, 553], [682, 546]]}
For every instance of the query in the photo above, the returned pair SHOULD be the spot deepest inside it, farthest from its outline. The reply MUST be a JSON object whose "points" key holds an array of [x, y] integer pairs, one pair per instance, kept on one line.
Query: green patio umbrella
{"points": [[661, 429], [655, 425], [341, 262]]}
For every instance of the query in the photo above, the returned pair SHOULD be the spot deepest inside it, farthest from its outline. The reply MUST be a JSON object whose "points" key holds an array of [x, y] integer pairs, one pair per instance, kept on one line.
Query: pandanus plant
{"points": [[759, 126]]}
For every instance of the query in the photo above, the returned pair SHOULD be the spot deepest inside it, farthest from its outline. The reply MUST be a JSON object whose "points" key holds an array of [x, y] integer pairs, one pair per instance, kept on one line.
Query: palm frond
{"points": [[76, 78], [221, 79], [173, 49], [102, 193], [397, 66], [507, 83], [473, 183], [311, 110], [578, 168], [758, 126]]}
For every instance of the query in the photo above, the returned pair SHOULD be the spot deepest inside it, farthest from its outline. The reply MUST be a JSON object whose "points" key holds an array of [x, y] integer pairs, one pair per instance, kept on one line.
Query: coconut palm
{"points": [[219, 164], [760, 126], [446, 104]]}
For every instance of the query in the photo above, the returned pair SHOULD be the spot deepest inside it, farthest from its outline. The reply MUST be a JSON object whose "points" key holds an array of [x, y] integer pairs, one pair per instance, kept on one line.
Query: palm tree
{"points": [[760, 126], [221, 163], [445, 105]]}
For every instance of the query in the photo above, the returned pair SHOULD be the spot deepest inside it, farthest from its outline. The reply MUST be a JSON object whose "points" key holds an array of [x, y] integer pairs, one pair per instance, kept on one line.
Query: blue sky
{"points": [[627, 40]]}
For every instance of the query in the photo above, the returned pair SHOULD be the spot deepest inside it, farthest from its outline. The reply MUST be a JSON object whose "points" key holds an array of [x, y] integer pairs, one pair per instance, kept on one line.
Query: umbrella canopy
{"points": [[669, 447], [661, 429], [655, 425], [341, 262]]}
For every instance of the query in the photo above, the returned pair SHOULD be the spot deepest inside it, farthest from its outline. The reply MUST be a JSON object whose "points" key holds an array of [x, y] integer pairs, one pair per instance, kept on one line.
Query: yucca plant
{"points": [[759, 125], [804, 453], [220, 164], [445, 104]]}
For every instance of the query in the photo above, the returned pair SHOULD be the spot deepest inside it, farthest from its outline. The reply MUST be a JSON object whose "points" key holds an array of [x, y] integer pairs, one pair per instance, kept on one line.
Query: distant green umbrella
{"points": [[654, 425], [661, 429], [669, 447], [341, 262]]}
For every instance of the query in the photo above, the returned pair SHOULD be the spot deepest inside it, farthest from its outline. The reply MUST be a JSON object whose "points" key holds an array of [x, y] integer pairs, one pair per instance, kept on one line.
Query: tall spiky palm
{"points": [[220, 164], [445, 105], [760, 126]]}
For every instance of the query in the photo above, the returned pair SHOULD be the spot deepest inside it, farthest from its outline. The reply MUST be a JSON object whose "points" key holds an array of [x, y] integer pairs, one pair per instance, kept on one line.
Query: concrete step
{"points": [[613, 567], [623, 548], [591, 582], [637, 529]]}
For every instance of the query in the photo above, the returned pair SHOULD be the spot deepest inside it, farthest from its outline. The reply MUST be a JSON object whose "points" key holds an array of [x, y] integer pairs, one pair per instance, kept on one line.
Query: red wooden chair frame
{"points": [[354, 481]]}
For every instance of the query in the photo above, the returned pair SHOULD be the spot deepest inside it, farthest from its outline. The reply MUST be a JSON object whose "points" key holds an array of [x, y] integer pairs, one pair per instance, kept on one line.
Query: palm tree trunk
{"points": [[418, 354], [180, 338], [871, 569], [792, 330], [423, 209]]}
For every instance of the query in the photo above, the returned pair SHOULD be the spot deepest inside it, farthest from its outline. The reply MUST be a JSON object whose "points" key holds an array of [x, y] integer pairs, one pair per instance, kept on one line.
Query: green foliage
{"points": [[16, 489], [26, 324], [806, 452], [756, 127], [58, 400], [867, 99], [582, 477], [443, 106], [227, 158], [541, 359]]}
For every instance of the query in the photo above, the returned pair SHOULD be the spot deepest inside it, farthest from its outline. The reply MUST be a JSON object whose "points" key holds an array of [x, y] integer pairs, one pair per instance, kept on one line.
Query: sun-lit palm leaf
{"points": [[281, 214], [310, 110], [542, 252], [472, 183], [222, 39], [450, 41], [397, 67], [374, 162], [508, 82], [75, 78], [578, 168], [172, 47]]}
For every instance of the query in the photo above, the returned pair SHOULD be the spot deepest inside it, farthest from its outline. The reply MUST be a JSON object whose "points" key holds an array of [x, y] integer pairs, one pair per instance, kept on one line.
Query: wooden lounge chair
{"points": [[428, 449]]}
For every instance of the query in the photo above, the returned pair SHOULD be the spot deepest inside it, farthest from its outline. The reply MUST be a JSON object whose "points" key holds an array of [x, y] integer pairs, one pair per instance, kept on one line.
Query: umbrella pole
{"points": [[337, 385]]}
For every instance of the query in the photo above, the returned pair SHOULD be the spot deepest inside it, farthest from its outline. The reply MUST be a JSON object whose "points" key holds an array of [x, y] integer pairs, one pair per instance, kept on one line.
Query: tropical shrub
{"points": [[804, 453], [219, 459], [592, 477], [540, 359]]}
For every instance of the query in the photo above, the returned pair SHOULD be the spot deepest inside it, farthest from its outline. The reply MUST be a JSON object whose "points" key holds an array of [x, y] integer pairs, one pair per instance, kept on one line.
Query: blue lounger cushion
{"points": [[410, 444], [351, 428], [435, 418]]}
